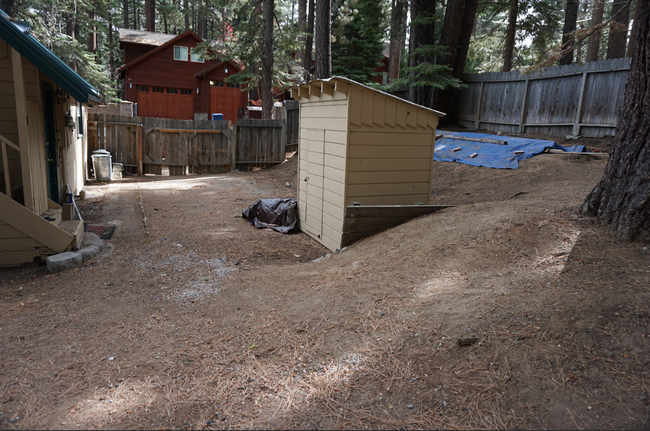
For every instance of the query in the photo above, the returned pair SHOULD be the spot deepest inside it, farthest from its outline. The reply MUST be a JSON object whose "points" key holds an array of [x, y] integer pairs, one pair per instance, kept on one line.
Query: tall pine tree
{"points": [[359, 27]]}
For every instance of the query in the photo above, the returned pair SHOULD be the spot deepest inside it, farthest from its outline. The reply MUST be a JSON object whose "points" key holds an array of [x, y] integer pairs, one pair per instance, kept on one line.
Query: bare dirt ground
{"points": [[193, 319]]}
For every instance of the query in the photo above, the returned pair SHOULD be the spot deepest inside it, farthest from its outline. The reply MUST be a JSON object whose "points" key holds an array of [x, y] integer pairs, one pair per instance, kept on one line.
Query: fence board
{"points": [[293, 120], [189, 146], [260, 143], [574, 99]]}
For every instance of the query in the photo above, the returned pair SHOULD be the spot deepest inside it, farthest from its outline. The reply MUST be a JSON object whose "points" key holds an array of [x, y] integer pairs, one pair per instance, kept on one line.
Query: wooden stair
{"points": [[25, 235], [76, 229]]}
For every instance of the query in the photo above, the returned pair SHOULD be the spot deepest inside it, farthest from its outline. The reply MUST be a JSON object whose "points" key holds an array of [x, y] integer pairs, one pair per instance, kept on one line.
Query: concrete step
{"points": [[54, 213], [76, 229]]}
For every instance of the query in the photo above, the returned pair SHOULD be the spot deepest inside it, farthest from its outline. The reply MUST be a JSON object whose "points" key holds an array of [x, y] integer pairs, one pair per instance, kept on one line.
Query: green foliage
{"points": [[243, 44], [539, 28], [48, 19], [359, 27], [426, 74]]}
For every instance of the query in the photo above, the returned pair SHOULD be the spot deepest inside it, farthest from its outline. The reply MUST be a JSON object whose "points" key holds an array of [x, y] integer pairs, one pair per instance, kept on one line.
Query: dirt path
{"points": [[194, 319]]}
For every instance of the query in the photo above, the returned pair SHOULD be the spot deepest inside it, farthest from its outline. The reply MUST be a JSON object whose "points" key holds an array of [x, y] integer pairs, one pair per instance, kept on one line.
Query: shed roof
{"points": [[18, 36], [335, 80]]}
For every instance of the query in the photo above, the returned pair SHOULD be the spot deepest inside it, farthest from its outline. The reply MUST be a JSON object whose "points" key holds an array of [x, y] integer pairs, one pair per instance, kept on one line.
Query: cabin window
{"points": [[143, 88], [172, 90], [216, 83], [180, 53], [157, 89], [80, 123], [195, 58], [186, 91]]}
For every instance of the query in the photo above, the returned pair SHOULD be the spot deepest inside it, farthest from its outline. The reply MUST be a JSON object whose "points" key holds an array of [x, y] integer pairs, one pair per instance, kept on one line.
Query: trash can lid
{"points": [[101, 153]]}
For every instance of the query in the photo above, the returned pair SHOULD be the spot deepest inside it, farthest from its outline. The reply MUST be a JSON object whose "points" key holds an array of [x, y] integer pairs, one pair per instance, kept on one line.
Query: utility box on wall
{"points": [[358, 145]]}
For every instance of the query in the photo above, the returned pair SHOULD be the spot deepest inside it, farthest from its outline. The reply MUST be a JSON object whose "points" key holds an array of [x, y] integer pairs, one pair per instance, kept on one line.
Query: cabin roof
{"points": [[160, 48], [17, 34], [144, 37]]}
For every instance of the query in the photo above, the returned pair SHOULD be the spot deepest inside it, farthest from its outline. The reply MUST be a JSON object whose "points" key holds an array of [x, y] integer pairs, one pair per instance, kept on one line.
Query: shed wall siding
{"points": [[8, 123], [389, 168], [323, 132]]}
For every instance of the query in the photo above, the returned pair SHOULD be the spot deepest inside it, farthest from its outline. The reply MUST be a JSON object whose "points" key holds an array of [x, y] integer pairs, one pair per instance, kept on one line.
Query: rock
{"points": [[410, 406], [327, 256], [88, 253], [63, 261], [468, 341], [287, 184], [91, 239]]}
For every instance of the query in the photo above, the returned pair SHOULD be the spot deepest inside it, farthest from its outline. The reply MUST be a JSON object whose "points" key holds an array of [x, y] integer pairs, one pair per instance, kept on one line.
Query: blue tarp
{"points": [[493, 155]]}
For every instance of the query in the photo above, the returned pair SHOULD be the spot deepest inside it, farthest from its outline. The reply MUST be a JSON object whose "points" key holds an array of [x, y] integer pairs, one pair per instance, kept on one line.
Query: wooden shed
{"points": [[366, 160], [43, 151]]}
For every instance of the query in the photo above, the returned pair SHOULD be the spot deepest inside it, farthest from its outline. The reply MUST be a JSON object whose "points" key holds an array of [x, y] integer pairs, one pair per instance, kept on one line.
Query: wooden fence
{"points": [[293, 120], [259, 143], [566, 100], [146, 145]]}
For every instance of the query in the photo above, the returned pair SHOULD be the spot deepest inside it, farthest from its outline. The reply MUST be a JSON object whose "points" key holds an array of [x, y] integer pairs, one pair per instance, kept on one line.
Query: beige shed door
{"points": [[313, 180]]}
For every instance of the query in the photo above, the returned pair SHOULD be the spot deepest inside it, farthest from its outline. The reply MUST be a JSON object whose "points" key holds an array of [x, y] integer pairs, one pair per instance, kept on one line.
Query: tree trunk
{"points": [[622, 197], [415, 10], [111, 55], [456, 35], [309, 42], [451, 29], [397, 37], [323, 39], [7, 6], [125, 7], [186, 12], [266, 79], [570, 20], [632, 42], [618, 30], [511, 33], [70, 27], [302, 27], [593, 45], [150, 14], [92, 35], [422, 34]]}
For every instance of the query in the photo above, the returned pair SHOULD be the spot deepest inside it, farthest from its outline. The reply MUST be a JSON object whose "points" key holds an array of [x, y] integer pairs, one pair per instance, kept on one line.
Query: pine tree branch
{"points": [[573, 45]]}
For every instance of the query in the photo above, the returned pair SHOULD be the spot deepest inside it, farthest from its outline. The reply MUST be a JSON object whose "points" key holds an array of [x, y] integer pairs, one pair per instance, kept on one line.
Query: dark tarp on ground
{"points": [[277, 214], [493, 155]]}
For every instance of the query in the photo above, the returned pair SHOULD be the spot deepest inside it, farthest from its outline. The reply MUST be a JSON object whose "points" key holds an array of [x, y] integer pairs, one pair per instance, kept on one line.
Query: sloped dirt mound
{"points": [[205, 322]]}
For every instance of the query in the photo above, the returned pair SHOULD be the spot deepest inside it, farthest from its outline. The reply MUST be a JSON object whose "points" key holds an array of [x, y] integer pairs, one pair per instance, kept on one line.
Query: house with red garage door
{"points": [[166, 79]]}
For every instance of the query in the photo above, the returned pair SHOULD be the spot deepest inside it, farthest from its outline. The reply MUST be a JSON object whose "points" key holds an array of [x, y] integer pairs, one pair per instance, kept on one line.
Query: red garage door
{"points": [[165, 102], [226, 99]]}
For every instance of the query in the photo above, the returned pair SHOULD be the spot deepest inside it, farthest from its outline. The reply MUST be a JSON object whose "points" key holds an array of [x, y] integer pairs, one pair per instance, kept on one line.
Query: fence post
{"points": [[138, 150], [583, 85], [233, 141], [522, 118], [283, 141], [478, 109]]}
